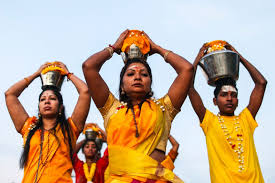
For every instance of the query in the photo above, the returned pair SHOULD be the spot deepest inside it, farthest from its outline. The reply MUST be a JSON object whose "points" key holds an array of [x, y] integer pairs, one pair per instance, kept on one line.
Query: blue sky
{"points": [[33, 32]]}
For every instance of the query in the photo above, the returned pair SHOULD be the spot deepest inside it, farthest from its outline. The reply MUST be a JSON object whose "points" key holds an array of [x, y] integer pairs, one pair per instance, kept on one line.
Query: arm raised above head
{"points": [[194, 96], [82, 106], [179, 88], [17, 111], [257, 94], [91, 67]]}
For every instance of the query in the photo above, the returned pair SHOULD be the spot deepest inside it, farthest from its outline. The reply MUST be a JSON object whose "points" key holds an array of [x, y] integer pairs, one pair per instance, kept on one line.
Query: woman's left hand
{"points": [[154, 47], [62, 66]]}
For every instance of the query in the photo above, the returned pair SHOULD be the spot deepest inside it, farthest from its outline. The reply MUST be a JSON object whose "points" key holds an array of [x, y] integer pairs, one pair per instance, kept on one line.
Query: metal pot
{"points": [[220, 64], [133, 52], [52, 78], [90, 134]]}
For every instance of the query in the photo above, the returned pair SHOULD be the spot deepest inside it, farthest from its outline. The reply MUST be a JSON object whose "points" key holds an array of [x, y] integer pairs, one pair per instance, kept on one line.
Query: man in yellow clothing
{"points": [[229, 138]]}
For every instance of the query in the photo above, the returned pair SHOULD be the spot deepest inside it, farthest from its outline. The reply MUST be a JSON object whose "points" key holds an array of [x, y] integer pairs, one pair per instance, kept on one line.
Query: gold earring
{"points": [[39, 115]]}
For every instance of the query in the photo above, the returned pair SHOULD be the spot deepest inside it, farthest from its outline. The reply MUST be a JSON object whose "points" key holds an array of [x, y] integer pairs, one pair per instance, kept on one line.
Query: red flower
{"points": [[233, 146]]}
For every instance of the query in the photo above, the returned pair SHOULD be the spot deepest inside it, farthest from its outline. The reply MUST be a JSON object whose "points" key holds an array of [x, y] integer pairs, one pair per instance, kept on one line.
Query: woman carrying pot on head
{"points": [[93, 169], [136, 124], [229, 137], [49, 140]]}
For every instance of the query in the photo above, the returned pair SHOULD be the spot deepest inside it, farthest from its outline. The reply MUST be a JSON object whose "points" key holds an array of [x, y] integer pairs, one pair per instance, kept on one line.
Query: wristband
{"points": [[27, 81], [69, 76], [166, 55]]}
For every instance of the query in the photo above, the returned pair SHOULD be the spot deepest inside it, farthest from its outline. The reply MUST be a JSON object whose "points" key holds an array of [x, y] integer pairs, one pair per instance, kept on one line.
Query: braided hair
{"points": [[61, 119]]}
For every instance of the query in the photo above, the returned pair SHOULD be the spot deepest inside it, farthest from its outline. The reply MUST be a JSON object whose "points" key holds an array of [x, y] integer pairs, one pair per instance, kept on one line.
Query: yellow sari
{"points": [[129, 155]]}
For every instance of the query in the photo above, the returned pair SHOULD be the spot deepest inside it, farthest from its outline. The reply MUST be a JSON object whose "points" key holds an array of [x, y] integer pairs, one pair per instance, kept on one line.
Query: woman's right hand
{"points": [[119, 42], [43, 66]]}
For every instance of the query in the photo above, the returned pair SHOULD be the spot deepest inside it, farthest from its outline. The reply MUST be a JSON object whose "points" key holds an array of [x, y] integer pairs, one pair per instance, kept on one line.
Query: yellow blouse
{"points": [[129, 155], [226, 163]]}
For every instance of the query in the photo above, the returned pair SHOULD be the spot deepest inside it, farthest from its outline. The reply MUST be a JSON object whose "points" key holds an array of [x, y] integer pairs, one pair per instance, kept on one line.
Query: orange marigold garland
{"points": [[53, 67], [138, 38], [215, 45]]}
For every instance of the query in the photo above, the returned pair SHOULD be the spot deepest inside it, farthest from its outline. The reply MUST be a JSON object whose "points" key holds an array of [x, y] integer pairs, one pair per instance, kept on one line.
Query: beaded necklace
{"points": [[237, 147]]}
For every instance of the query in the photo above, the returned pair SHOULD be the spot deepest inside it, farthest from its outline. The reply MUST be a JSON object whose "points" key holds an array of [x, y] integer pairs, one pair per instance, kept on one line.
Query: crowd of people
{"points": [[137, 125]]}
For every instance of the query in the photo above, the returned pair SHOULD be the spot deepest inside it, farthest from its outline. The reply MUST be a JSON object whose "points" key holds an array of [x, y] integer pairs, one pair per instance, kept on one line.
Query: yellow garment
{"points": [[152, 125], [137, 38], [168, 163], [223, 161], [55, 164]]}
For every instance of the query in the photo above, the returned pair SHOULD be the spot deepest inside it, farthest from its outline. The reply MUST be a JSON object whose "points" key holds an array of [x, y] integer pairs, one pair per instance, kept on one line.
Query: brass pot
{"points": [[90, 134], [220, 64], [52, 78]]}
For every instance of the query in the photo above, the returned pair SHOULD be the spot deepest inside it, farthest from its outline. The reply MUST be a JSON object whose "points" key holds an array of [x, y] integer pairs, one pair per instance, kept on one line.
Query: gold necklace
{"points": [[238, 148], [89, 174]]}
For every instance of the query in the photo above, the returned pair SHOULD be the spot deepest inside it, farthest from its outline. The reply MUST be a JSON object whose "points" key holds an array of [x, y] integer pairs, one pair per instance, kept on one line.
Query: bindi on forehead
{"points": [[50, 93]]}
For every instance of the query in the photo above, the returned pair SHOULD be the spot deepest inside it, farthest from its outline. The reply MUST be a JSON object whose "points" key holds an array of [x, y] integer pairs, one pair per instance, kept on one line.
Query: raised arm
{"points": [[91, 67], [179, 88], [17, 112], [194, 97], [257, 94], [102, 132], [82, 107], [78, 146]]}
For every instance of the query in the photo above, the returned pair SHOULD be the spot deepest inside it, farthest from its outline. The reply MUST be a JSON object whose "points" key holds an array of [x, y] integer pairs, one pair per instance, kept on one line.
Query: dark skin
{"points": [[48, 99], [177, 91], [227, 101], [89, 149]]}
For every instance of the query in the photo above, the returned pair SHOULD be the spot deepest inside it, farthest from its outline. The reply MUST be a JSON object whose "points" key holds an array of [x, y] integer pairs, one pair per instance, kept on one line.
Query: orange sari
{"points": [[55, 164]]}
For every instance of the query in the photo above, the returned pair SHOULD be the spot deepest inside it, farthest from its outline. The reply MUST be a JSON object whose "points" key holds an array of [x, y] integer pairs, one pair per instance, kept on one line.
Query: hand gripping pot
{"points": [[52, 76], [220, 64]]}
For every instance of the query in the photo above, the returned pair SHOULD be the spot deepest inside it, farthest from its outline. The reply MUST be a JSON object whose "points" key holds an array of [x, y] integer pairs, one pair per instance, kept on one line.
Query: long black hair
{"points": [[61, 119]]}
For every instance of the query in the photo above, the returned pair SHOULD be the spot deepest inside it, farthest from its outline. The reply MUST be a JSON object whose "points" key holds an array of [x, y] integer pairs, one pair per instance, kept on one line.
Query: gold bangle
{"points": [[111, 51], [69, 75], [166, 55], [27, 81]]}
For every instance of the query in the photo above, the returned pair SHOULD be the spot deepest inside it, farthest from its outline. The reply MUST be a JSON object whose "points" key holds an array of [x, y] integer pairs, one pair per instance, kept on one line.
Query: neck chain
{"points": [[124, 104], [238, 146], [40, 161]]}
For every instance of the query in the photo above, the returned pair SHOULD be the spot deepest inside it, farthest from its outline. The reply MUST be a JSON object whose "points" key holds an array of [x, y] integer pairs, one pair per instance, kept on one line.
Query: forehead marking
{"points": [[227, 88]]}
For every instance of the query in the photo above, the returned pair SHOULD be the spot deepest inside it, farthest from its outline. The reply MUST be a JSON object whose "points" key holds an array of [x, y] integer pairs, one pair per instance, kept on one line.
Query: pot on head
{"points": [[52, 78], [220, 64], [90, 134]]}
